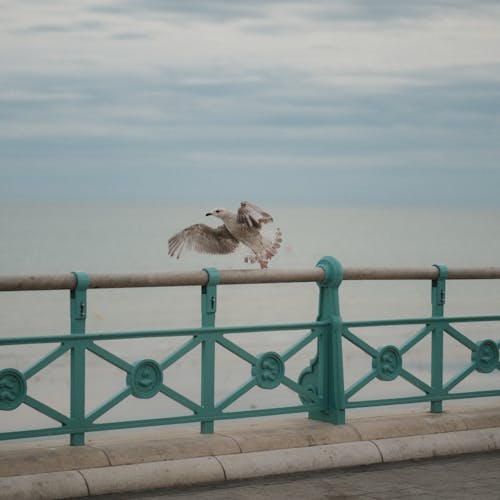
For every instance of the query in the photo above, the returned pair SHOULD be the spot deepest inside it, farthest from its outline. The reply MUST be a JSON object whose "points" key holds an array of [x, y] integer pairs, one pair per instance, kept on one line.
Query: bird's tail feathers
{"points": [[271, 243]]}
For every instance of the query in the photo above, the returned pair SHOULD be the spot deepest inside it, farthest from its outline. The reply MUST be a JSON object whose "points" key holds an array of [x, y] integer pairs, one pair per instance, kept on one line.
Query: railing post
{"points": [[331, 369], [208, 310], [438, 294], [78, 311]]}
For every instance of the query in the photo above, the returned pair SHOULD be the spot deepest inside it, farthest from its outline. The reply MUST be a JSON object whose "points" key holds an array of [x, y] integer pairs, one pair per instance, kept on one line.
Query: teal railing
{"points": [[320, 387]]}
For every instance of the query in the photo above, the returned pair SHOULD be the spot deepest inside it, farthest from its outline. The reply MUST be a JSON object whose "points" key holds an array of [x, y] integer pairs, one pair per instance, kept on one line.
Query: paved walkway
{"points": [[463, 477]]}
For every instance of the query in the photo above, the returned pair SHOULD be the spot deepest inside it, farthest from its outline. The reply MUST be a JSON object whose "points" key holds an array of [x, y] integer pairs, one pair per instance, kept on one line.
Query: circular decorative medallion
{"points": [[388, 363], [145, 379], [12, 388], [269, 370], [486, 356]]}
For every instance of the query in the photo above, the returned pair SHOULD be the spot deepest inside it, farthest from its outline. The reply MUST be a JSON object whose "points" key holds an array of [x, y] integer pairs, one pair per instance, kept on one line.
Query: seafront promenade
{"points": [[173, 458]]}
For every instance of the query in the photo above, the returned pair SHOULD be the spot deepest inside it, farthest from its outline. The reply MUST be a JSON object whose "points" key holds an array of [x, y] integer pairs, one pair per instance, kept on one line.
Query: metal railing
{"points": [[320, 387]]}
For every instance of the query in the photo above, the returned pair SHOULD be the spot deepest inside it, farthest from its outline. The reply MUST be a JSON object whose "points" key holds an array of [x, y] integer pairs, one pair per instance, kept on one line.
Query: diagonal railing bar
{"points": [[46, 360], [237, 394], [354, 339], [419, 384], [109, 357], [179, 398], [46, 410], [460, 337], [362, 382], [420, 335], [111, 403], [237, 350], [459, 377], [297, 347], [180, 352], [299, 389]]}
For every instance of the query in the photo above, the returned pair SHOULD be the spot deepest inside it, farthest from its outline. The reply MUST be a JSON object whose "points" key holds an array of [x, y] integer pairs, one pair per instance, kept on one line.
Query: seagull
{"points": [[244, 226]]}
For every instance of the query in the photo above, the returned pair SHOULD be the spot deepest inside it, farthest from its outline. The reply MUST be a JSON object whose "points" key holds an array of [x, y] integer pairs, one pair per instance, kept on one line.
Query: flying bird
{"points": [[244, 226]]}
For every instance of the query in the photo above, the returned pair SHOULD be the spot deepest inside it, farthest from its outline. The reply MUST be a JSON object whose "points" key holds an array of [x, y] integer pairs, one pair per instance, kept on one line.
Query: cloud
{"points": [[269, 89], [46, 28], [339, 11], [130, 36], [212, 11], [332, 41]]}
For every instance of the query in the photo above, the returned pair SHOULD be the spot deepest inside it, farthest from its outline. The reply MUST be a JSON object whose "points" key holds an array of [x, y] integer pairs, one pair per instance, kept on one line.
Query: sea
{"points": [[56, 238]]}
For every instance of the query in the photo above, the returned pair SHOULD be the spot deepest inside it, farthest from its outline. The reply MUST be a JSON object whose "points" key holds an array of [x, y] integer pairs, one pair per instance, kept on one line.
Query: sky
{"points": [[343, 102]]}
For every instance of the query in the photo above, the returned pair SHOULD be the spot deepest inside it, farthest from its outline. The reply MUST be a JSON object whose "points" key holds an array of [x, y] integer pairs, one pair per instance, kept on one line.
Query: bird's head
{"points": [[218, 212]]}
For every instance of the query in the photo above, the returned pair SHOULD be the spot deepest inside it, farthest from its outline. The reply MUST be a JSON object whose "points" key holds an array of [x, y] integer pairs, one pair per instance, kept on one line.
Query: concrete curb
{"points": [[233, 455], [287, 461], [51, 485], [153, 475]]}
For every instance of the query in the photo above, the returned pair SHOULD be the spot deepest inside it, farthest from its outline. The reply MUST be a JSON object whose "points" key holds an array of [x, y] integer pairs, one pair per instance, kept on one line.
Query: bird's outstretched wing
{"points": [[252, 215], [202, 238]]}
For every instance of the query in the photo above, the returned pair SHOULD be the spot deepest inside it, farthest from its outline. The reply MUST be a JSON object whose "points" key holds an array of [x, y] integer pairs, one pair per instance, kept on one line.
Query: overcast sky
{"points": [[349, 102]]}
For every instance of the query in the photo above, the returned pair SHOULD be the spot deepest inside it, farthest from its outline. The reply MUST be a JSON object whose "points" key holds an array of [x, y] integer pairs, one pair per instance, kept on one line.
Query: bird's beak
{"points": [[209, 213]]}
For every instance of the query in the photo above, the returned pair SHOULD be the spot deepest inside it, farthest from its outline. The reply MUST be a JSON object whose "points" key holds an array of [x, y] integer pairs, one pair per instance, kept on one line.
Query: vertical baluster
{"points": [[331, 369], [208, 310], [438, 294], [78, 311]]}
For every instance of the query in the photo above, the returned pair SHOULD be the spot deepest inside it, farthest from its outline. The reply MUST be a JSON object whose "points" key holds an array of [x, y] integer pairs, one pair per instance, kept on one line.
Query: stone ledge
{"points": [[247, 436], [204, 470], [169, 457]]}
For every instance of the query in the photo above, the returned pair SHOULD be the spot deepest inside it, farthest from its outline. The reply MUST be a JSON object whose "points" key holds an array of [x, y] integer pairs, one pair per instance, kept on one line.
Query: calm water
{"points": [[46, 239]]}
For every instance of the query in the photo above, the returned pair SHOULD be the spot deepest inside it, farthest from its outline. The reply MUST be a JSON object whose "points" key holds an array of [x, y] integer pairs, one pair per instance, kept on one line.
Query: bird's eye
{"points": [[217, 211]]}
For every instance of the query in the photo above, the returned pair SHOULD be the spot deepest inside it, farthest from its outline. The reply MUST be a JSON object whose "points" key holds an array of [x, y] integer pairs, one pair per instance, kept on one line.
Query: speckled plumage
{"points": [[244, 226]]}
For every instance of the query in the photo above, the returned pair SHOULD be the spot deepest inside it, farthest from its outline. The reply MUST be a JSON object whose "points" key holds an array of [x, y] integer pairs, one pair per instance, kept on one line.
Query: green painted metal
{"points": [[208, 310], [78, 311], [13, 388], [324, 378], [319, 389], [438, 297]]}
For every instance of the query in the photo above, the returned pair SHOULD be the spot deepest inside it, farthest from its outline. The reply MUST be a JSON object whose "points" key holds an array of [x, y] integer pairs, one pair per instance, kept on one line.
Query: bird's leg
{"points": [[261, 258], [252, 259]]}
